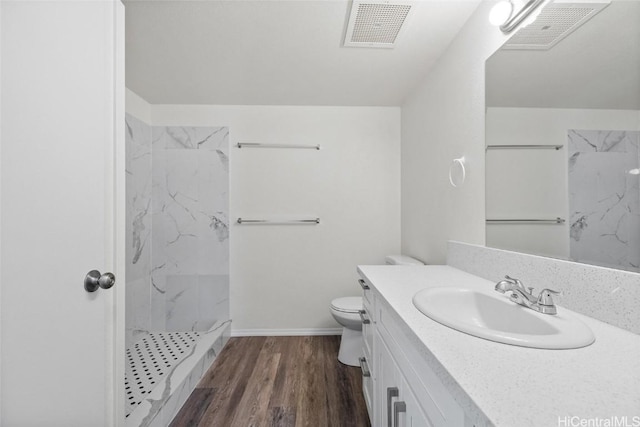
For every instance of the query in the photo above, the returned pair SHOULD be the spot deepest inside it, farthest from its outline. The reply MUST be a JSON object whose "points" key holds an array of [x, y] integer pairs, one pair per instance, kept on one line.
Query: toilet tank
{"points": [[401, 260]]}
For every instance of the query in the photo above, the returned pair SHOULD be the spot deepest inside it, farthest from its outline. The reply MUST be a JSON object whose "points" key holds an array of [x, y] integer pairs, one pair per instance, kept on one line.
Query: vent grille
{"points": [[373, 24], [554, 23]]}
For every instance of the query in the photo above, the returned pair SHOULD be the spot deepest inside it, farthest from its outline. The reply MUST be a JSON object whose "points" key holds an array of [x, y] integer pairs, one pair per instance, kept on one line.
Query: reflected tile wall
{"points": [[138, 232], [190, 256], [604, 198], [177, 227]]}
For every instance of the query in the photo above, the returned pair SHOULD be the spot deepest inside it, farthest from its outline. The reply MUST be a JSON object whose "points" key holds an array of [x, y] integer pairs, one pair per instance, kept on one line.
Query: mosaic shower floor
{"points": [[149, 359]]}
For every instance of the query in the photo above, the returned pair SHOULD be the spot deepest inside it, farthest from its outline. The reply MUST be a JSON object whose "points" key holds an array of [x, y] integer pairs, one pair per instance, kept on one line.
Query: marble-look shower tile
{"points": [[181, 302], [213, 297], [138, 310], [190, 216], [142, 306], [185, 137], [138, 226], [158, 301], [129, 313], [213, 255], [601, 141], [603, 199], [138, 196]]}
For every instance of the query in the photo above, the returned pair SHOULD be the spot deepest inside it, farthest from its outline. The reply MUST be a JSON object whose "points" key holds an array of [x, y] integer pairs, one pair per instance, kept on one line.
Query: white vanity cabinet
{"points": [[401, 389], [396, 404]]}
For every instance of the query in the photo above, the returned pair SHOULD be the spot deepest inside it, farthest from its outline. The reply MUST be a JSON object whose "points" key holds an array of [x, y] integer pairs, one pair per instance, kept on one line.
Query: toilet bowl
{"points": [[346, 311]]}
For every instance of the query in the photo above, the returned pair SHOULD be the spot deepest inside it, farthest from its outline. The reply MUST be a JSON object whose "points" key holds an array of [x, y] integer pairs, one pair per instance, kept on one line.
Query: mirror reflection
{"points": [[563, 136]]}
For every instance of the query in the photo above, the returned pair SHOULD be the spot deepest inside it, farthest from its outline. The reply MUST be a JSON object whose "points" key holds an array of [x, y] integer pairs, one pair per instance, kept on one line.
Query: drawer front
{"points": [[368, 328], [366, 290], [367, 383], [367, 332]]}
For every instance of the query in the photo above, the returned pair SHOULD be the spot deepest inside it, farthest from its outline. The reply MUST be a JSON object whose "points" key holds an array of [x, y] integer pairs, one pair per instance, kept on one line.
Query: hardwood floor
{"points": [[277, 381]]}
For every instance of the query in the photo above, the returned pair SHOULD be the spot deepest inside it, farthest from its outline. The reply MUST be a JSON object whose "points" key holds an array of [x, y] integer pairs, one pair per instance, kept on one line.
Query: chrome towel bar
{"points": [[273, 221], [526, 221], [259, 145], [535, 147]]}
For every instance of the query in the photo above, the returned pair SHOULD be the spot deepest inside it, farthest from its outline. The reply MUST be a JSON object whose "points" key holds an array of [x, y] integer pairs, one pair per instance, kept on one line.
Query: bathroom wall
{"points": [[284, 277], [533, 183], [444, 119]]}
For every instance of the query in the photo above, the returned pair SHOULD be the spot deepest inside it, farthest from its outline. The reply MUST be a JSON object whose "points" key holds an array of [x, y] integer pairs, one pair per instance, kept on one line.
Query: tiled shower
{"points": [[177, 310], [604, 197]]}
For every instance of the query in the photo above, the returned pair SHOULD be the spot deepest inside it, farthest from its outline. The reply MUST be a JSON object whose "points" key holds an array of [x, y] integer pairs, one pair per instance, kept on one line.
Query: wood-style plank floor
{"points": [[277, 381]]}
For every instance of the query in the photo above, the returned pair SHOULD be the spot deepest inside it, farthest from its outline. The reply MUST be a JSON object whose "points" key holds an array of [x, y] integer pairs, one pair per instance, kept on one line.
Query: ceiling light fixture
{"points": [[500, 13], [505, 15]]}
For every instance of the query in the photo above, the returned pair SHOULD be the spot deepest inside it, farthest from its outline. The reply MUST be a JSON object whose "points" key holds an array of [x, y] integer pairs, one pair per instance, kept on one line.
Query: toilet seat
{"points": [[347, 304]]}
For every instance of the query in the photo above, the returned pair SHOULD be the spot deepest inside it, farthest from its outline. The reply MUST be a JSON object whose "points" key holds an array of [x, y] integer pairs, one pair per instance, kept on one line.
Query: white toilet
{"points": [[346, 311]]}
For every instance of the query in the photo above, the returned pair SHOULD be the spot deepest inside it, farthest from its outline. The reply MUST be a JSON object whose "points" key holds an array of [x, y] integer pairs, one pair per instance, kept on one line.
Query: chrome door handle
{"points": [[397, 408], [94, 280], [363, 284], [391, 393], [365, 320], [364, 366]]}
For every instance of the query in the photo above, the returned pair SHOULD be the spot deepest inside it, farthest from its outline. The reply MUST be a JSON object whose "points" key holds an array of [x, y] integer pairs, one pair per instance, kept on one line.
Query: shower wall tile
{"points": [[138, 227], [190, 225], [190, 138], [138, 188], [181, 306], [604, 200], [213, 298], [177, 227], [158, 302]]}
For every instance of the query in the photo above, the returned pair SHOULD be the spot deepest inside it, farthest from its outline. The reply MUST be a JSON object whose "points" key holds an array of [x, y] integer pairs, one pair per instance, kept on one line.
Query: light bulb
{"points": [[500, 12]]}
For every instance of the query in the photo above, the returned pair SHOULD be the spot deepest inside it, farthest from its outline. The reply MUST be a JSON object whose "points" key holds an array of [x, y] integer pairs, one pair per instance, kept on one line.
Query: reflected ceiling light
{"points": [[635, 171], [505, 15], [500, 13]]}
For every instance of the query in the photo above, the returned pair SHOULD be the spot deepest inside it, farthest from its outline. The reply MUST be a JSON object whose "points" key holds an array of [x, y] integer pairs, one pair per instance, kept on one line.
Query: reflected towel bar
{"points": [[525, 221], [272, 221], [539, 146], [258, 145]]}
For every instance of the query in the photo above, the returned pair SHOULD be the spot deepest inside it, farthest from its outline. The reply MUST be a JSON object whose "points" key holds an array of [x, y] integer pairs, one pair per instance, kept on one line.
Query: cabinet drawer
{"points": [[366, 290], [367, 329], [367, 383]]}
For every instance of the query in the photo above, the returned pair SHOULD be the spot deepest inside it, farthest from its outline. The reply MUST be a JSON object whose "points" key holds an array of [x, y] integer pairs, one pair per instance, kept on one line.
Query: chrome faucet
{"points": [[543, 303]]}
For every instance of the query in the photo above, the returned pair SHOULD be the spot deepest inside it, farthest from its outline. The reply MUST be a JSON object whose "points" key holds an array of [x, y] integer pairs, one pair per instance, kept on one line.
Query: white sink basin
{"points": [[496, 318]]}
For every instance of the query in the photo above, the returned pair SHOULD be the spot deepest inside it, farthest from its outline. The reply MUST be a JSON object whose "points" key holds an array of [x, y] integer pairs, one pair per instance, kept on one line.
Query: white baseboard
{"points": [[284, 332]]}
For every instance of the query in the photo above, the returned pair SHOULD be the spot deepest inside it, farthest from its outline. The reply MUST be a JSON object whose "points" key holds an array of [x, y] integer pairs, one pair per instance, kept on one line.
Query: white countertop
{"points": [[517, 386]]}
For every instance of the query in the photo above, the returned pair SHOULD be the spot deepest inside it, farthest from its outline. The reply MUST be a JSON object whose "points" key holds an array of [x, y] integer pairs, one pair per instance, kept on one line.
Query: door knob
{"points": [[94, 280]]}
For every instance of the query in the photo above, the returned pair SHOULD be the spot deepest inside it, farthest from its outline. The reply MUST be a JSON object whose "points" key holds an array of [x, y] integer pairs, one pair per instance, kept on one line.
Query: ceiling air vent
{"points": [[555, 22], [375, 23]]}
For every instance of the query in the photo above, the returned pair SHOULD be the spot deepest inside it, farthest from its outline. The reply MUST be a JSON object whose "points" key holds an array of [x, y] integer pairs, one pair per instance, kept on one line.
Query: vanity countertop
{"points": [[507, 385]]}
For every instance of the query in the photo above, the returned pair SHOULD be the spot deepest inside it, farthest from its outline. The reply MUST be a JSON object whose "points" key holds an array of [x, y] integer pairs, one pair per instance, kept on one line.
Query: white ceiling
{"points": [[277, 52], [597, 66]]}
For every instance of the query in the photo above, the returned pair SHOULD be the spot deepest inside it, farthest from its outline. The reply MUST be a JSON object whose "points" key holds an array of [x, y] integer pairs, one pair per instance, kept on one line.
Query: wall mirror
{"points": [[563, 137]]}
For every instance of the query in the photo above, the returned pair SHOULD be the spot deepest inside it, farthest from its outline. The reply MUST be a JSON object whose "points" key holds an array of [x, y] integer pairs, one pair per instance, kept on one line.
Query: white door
{"points": [[60, 192]]}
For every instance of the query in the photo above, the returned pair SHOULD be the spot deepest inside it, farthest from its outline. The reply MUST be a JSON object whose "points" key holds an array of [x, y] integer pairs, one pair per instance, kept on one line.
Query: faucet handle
{"points": [[512, 280], [545, 296]]}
